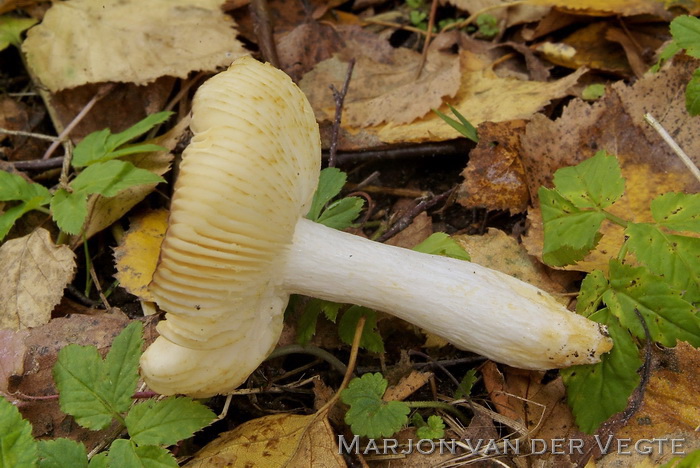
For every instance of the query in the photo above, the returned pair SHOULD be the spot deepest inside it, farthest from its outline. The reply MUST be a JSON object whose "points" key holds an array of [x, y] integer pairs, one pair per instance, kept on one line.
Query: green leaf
{"points": [[101, 460], [464, 127], [593, 92], [692, 460], [669, 51], [369, 415], [686, 33], [371, 339], [488, 25], [434, 429], [692, 94], [111, 177], [569, 233], [69, 210], [677, 211], [595, 183], [122, 366], [465, 385], [137, 148], [124, 454], [165, 422], [591, 294], [11, 29], [440, 243], [597, 391], [79, 373], [14, 187], [17, 446], [341, 213], [674, 258], [667, 315], [62, 453], [306, 326], [101, 146], [330, 183], [10, 216]]}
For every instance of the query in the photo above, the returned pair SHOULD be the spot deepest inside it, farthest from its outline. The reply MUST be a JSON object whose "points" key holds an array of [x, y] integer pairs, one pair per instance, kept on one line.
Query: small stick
{"points": [[444, 148], [428, 37], [407, 218], [339, 98], [674, 146], [38, 164], [263, 30], [38, 136]]}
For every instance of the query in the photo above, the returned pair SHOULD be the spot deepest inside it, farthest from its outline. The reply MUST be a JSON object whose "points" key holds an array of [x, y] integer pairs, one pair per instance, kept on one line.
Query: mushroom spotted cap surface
{"points": [[247, 176]]}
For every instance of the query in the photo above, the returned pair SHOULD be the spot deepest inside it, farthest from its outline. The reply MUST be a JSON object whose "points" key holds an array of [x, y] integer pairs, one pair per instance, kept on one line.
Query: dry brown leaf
{"points": [[300, 49], [35, 272], [482, 97], [91, 41], [407, 386], [494, 177], [136, 256], [278, 440], [384, 87], [615, 124], [420, 229], [510, 15], [608, 7]]}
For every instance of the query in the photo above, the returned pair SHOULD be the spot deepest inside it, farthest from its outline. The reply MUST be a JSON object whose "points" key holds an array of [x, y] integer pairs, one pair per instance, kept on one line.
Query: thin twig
{"points": [[339, 98], [456, 147], [674, 146], [428, 37], [38, 164], [407, 218], [38, 136], [264, 31]]}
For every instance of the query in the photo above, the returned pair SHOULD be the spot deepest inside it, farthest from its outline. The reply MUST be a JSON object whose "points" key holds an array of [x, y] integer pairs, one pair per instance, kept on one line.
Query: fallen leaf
{"points": [[35, 272], [278, 440], [508, 15], [420, 229], [407, 386], [494, 177], [615, 124], [608, 7], [136, 257], [91, 41], [300, 49]]}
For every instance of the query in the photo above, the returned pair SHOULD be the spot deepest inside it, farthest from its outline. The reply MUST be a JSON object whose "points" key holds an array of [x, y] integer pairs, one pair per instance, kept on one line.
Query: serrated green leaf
{"points": [[62, 453], [692, 94], [101, 146], [669, 51], [686, 33], [137, 148], [122, 366], [330, 183], [433, 429], [371, 339], [667, 315], [14, 187], [691, 460], [166, 422], [78, 373], [440, 243], [124, 454], [569, 233], [69, 210], [11, 29], [597, 391], [677, 211], [369, 415], [591, 294], [11, 215], [306, 325], [464, 127], [674, 258], [330, 309], [101, 460], [341, 213], [464, 389], [595, 183], [17, 446], [111, 177]]}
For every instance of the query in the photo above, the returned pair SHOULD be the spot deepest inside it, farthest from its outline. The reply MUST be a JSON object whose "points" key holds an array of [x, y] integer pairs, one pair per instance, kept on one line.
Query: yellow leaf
{"points": [[35, 272], [607, 7], [137, 256], [287, 440]]}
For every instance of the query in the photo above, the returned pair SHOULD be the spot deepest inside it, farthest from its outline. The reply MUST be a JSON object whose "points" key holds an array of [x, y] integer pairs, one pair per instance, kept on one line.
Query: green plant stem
{"points": [[437, 405], [62, 238], [41, 209], [313, 351], [615, 219]]}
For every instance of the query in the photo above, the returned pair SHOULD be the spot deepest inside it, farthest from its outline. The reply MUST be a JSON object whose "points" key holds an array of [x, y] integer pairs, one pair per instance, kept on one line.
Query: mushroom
{"points": [[238, 245]]}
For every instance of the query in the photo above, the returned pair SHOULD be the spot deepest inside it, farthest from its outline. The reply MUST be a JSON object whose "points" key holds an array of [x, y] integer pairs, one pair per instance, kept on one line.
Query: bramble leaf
{"points": [[330, 183], [465, 385], [124, 454], [434, 428], [692, 94], [440, 243], [111, 177], [17, 446], [595, 183], [668, 317], [371, 339], [165, 422], [62, 453], [369, 415], [341, 213], [306, 326], [14, 187], [677, 211], [8, 218], [591, 294], [674, 258], [569, 233], [597, 391], [686, 33], [69, 210], [122, 366]]}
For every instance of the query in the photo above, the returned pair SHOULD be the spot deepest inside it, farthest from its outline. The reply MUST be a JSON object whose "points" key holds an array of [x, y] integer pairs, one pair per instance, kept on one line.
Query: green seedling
{"points": [[465, 128]]}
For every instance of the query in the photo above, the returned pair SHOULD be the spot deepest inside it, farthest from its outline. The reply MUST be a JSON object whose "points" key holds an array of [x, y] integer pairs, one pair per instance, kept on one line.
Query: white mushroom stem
{"points": [[472, 307]]}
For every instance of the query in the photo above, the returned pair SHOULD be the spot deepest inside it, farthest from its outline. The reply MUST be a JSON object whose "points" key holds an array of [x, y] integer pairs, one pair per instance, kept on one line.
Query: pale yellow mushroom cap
{"points": [[246, 178]]}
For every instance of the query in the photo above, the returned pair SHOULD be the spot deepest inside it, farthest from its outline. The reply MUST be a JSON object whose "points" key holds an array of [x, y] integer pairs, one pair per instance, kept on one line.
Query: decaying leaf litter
{"points": [[521, 86]]}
